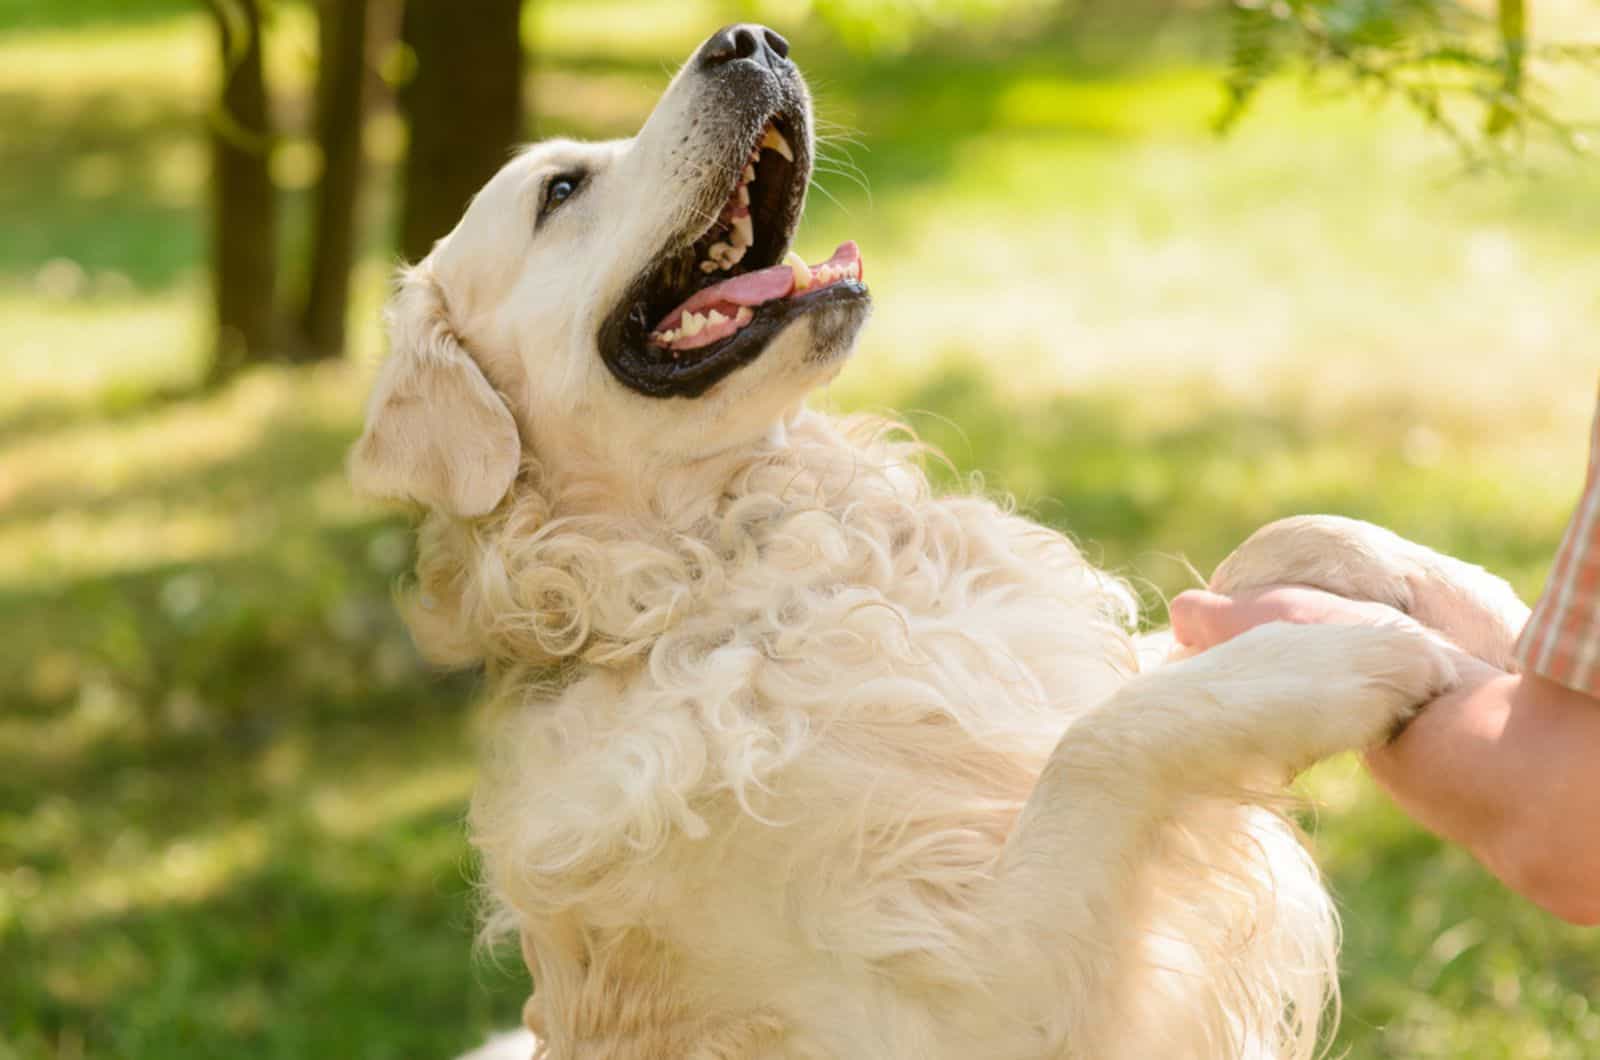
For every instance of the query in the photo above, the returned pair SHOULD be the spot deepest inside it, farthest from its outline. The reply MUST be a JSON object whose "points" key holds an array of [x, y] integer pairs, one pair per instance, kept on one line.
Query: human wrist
{"points": [[1435, 767]]}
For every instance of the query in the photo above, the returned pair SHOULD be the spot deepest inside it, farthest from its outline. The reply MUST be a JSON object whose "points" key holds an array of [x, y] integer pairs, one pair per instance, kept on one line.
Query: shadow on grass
{"points": [[110, 183], [157, 722], [124, 403], [1145, 480], [291, 451], [332, 947]]}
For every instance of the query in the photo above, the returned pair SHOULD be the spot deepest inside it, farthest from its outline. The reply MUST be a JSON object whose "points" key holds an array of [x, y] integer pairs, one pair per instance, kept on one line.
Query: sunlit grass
{"points": [[232, 794], [77, 348]]}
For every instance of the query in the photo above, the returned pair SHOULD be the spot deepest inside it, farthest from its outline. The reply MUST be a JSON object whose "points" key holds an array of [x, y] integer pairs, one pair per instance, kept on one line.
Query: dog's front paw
{"points": [[1474, 609], [1320, 690], [1397, 669]]}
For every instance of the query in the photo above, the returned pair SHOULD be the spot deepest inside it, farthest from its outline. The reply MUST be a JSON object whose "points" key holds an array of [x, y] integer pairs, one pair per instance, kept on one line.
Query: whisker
{"points": [[843, 159], [851, 136], [817, 184], [858, 181], [843, 162], [823, 119]]}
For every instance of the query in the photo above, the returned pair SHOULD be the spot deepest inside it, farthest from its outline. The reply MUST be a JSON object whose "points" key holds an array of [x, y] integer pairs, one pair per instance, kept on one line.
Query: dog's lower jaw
{"points": [[834, 328]]}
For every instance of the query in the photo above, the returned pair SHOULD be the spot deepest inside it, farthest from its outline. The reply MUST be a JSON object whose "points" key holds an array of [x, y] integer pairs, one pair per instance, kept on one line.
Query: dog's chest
{"points": [[804, 776]]}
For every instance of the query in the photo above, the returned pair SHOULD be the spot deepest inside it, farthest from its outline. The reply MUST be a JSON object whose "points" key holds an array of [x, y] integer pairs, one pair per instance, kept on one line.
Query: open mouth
{"points": [[727, 305], [712, 301]]}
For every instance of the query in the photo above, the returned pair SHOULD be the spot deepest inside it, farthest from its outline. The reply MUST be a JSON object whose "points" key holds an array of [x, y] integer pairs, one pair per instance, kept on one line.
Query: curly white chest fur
{"points": [[761, 807]]}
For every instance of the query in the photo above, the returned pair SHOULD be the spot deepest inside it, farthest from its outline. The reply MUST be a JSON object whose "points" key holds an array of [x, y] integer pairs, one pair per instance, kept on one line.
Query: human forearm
{"points": [[1509, 766]]}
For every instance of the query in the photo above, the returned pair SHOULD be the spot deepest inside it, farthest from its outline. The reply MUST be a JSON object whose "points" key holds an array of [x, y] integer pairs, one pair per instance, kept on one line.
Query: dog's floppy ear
{"points": [[437, 432]]}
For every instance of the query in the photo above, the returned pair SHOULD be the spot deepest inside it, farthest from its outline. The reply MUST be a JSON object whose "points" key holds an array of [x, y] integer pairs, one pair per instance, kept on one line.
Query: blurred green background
{"points": [[231, 797]]}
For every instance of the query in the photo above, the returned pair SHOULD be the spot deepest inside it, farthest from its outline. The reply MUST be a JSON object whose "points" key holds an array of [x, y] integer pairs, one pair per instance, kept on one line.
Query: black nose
{"points": [[746, 40]]}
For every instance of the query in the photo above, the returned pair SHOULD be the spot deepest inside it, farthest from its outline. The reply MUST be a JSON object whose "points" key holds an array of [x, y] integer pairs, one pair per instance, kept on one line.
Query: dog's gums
{"points": [[728, 305], [734, 230], [713, 313]]}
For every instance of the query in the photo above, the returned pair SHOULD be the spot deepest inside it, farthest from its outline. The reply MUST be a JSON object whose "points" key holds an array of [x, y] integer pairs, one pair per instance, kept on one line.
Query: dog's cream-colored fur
{"points": [[797, 758]]}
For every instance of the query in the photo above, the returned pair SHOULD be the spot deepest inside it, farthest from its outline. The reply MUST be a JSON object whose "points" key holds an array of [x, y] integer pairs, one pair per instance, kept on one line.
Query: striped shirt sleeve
{"points": [[1562, 639]]}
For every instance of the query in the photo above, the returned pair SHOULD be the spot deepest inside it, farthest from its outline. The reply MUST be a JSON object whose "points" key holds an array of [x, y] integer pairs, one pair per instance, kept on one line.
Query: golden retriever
{"points": [[797, 758]]}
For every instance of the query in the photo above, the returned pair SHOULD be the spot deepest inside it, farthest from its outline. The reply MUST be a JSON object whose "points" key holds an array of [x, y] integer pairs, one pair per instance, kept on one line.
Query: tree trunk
{"points": [[244, 220], [464, 106], [342, 33]]}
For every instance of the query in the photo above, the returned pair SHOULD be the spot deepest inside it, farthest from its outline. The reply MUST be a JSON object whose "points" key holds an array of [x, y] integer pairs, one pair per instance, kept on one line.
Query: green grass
{"points": [[230, 795]]}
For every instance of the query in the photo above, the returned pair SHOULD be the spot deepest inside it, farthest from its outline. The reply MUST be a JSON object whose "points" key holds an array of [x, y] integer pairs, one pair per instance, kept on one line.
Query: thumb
{"points": [[1203, 619]]}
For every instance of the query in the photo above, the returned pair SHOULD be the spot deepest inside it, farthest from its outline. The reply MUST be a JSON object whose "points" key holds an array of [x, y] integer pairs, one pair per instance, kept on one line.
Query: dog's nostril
{"points": [[745, 44], [749, 41]]}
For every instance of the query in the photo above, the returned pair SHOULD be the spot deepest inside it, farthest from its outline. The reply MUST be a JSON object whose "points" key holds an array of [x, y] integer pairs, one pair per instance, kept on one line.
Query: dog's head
{"points": [[618, 309]]}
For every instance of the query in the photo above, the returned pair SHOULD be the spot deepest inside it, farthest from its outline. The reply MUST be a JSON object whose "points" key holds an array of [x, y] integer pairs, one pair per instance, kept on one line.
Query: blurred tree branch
{"points": [[1476, 80]]}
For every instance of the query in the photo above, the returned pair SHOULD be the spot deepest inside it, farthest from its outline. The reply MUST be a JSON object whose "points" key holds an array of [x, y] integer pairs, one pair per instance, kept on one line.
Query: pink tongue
{"points": [[753, 288]]}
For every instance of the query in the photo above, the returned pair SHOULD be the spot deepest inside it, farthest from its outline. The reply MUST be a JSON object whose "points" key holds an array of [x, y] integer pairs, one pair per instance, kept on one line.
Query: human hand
{"points": [[1203, 619], [1502, 764]]}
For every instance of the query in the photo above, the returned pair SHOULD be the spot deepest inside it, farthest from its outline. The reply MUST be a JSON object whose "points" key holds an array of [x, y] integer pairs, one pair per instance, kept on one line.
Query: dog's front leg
{"points": [[1477, 610], [1068, 900]]}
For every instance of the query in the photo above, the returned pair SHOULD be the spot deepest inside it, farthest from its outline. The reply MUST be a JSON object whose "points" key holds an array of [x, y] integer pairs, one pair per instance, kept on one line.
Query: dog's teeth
{"points": [[719, 251], [743, 316], [714, 318], [708, 266], [744, 233], [693, 324], [773, 140], [743, 195], [802, 271], [747, 174]]}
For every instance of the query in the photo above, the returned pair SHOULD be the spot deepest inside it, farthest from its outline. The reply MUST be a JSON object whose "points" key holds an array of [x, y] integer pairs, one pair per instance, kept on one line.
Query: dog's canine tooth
{"points": [[802, 271], [748, 173], [743, 316], [773, 140], [744, 232]]}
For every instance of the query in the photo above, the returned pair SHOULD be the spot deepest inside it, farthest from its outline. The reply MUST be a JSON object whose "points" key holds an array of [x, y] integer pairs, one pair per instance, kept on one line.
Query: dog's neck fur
{"points": [[579, 567]]}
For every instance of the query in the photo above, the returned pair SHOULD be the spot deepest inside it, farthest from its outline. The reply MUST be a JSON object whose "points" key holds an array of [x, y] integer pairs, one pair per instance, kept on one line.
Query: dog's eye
{"points": [[560, 188]]}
